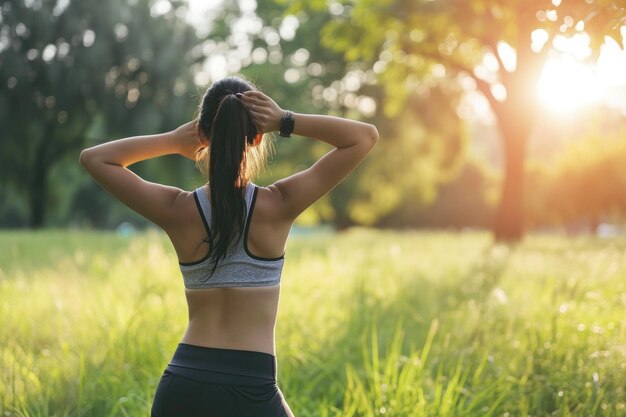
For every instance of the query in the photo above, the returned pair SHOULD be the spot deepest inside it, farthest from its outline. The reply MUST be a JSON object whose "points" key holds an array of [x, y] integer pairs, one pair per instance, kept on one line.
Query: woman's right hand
{"points": [[266, 114], [188, 140]]}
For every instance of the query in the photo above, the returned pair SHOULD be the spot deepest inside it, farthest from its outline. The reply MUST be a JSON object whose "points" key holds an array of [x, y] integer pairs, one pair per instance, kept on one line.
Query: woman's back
{"points": [[237, 317]]}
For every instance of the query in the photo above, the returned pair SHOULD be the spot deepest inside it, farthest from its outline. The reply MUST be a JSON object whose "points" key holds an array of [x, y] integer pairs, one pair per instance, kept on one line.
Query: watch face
{"points": [[287, 125]]}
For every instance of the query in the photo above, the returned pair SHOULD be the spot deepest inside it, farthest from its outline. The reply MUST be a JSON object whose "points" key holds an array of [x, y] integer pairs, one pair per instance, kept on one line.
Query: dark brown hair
{"points": [[233, 156]]}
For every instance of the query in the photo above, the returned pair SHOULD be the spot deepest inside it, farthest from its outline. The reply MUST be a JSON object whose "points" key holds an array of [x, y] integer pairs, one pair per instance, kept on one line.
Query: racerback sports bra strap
{"points": [[240, 268]]}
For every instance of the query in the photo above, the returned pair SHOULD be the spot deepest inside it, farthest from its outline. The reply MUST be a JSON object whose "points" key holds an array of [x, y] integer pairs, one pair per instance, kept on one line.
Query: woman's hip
{"points": [[201, 381]]}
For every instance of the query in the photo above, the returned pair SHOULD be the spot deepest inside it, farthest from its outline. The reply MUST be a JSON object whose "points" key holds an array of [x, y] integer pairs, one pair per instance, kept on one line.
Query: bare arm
{"points": [[107, 163], [352, 140]]}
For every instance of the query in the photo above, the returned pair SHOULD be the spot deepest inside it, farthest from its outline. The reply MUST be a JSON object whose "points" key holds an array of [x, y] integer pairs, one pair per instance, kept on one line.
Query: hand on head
{"points": [[266, 114], [188, 139]]}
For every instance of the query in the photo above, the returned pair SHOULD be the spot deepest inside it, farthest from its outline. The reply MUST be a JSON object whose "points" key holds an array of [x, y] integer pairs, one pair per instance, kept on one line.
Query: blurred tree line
{"points": [[585, 184], [73, 74], [408, 40]]}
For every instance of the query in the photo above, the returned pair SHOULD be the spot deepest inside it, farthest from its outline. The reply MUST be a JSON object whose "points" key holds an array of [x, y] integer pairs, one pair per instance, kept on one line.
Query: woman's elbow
{"points": [[82, 158], [85, 156], [372, 134]]}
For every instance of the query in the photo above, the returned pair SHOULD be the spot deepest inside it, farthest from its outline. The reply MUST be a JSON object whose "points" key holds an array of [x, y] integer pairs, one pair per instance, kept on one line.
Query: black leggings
{"points": [[215, 382]]}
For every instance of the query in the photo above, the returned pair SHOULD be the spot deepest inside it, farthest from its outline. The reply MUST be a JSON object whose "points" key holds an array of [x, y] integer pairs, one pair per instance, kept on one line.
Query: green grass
{"points": [[371, 323]]}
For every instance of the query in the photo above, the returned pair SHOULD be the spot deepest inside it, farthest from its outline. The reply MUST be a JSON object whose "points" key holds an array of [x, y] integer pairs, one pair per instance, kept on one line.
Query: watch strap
{"points": [[287, 124]]}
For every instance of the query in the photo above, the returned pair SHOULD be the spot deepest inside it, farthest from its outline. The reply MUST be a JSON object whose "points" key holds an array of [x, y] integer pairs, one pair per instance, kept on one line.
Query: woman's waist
{"points": [[248, 338]]}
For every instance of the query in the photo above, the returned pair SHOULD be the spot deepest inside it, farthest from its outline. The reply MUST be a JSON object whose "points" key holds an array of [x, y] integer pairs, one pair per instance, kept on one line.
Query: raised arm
{"points": [[352, 141], [107, 163]]}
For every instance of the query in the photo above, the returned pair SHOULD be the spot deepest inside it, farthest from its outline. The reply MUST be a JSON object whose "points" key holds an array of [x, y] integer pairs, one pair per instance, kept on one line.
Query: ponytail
{"points": [[231, 132]]}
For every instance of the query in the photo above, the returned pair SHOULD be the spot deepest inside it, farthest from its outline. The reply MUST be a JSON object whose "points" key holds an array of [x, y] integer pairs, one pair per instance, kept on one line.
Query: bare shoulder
{"points": [[269, 225], [269, 207], [186, 208], [271, 202]]}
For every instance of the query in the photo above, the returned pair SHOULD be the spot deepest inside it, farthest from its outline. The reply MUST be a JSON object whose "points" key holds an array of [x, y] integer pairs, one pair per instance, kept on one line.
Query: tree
{"points": [[408, 37], [89, 69]]}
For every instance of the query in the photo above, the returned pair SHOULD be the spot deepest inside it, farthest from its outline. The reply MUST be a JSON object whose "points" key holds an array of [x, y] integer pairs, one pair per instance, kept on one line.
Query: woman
{"points": [[229, 236]]}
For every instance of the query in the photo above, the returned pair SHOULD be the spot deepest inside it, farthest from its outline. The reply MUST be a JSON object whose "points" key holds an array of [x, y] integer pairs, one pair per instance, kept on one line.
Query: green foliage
{"points": [[404, 174], [456, 33], [115, 69], [584, 184], [419, 324], [75, 76], [601, 18], [467, 200]]}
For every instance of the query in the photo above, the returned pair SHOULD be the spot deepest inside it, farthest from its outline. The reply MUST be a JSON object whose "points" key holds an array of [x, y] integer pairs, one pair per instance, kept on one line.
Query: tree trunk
{"points": [[516, 118], [38, 188], [38, 192], [509, 221]]}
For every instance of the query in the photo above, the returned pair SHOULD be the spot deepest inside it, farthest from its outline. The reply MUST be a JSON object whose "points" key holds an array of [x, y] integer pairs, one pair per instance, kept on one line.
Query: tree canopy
{"points": [[408, 41], [89, 69]]}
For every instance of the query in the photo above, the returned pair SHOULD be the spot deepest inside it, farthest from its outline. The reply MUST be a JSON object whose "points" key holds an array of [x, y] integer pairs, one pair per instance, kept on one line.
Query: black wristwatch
{"points": [[287, 124]]}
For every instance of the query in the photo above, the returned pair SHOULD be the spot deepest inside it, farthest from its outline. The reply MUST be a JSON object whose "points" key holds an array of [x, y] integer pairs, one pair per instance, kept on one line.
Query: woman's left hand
{"points": [[188, 140]]}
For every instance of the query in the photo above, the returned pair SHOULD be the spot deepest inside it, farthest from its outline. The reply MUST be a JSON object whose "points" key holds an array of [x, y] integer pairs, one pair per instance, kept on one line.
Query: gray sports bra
{"points": [[240, 268]]}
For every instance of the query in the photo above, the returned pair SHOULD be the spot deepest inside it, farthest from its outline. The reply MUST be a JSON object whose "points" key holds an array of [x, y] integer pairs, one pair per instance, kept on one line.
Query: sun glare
{"points": [[568, 84]]}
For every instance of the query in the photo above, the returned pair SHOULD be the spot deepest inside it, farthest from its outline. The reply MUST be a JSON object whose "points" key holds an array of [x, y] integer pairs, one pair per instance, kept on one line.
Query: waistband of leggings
{"points": [[228, 361]]}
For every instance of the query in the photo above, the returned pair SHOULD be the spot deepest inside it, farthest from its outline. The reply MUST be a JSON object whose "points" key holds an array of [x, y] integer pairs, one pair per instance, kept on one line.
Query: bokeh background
{"points": [[501, 115], [473, 265]]}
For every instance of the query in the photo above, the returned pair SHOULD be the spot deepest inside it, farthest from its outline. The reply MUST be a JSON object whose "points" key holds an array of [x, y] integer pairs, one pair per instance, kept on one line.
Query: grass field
{"points": [[371, 323]]}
